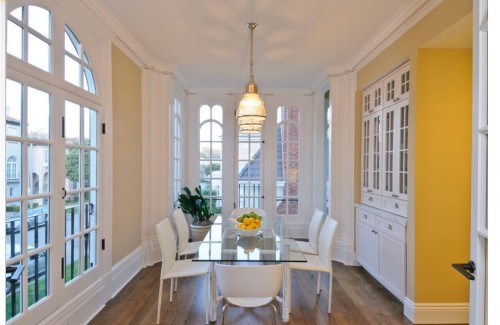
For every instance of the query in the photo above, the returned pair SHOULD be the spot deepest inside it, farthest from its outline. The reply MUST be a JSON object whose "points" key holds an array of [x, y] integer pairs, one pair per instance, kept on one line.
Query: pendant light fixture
{"points": [[251, 110]]}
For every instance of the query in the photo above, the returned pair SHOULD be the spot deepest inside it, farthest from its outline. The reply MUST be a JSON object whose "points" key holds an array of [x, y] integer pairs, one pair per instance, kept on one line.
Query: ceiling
{"points": [[296, 43]]}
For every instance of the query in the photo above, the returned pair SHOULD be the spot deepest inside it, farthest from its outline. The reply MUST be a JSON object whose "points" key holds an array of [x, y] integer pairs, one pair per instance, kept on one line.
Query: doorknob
{"points": [[466, 269]]}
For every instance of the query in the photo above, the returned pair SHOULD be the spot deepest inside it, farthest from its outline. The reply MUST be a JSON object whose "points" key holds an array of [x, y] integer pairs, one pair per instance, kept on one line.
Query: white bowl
{"points": [[246, 232]]}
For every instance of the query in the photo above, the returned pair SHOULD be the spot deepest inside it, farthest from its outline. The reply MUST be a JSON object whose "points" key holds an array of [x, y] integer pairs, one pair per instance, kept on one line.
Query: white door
{"points": [[479, 204]]}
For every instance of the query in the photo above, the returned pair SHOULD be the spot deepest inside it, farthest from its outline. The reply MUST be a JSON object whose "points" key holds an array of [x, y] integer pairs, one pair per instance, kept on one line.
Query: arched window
{"points": [[211, 155], [11, 172]]}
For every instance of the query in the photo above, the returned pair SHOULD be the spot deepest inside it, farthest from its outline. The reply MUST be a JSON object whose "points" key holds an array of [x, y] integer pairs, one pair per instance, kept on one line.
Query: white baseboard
{"points": [[151, 253], [343, 250], [123, 271], [436, 313]]}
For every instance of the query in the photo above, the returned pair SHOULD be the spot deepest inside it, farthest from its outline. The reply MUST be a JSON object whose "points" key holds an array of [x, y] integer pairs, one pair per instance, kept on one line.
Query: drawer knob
{"points": [[395, 195], [390, 227], [364, 216], [396, 205], [370, 199]]}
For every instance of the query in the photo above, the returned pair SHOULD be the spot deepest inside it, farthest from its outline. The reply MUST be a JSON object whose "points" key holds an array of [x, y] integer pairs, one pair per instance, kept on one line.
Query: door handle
{"points": [[466, 269]]}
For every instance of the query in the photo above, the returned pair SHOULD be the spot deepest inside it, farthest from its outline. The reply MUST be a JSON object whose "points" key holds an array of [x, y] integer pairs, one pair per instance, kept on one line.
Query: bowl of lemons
{"points": [[248, 224]]}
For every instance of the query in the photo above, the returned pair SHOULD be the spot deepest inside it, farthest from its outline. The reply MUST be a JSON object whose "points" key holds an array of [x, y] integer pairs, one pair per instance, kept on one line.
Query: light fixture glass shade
{"points": [[250, 128], [251, 107]]}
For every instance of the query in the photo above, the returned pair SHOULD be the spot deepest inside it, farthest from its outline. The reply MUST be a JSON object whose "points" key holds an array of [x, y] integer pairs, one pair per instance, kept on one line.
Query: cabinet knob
{"points": [[370, 199], [369, 191], [364, 216], [395, 195], [395, 99], [390, 227], [396, 205]]}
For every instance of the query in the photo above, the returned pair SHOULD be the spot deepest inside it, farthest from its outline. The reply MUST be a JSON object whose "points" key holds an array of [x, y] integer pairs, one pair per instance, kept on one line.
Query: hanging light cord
{"points": [[251, 27]]}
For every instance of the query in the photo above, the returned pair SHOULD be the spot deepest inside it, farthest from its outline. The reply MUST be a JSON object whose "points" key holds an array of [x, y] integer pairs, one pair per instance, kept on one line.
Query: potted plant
{"points": [[196, 205]]}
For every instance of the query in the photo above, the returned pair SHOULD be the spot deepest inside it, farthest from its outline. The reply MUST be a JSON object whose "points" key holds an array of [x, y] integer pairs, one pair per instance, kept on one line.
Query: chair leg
{"points": [[222, 314], [330, 294], [159, 302], [206, 298], [171, 288], [275, 313], [289, 291], [318, 286]]}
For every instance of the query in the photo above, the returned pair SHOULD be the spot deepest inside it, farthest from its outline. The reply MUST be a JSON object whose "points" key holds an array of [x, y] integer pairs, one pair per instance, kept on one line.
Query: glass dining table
{"points": [[273, 243]]}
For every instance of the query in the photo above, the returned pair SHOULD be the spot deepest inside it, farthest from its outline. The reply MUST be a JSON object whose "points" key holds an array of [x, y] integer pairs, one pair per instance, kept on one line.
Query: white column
{"points": [[156, 106], [342, 96]]}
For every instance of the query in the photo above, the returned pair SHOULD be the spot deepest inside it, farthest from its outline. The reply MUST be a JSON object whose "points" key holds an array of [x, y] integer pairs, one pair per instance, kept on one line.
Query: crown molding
{"points": [[400, 23]]}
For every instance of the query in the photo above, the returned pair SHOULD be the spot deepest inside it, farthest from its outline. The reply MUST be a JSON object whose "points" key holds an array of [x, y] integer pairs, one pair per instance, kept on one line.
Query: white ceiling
{"points": [[295, 44]]}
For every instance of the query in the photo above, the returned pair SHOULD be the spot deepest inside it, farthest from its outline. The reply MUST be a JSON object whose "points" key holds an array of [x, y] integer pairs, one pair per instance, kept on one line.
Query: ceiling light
{"points": [[251, 110]]}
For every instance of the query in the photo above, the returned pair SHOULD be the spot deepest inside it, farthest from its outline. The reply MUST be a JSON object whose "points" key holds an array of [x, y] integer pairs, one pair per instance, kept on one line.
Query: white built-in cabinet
{"points": [[381, 216], [381, 247]]}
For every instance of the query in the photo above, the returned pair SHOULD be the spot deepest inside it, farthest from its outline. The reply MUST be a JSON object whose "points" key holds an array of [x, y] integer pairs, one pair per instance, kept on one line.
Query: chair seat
{"points": [[185, 268], [191, 248], [306, 248], [249, 302], [314, 263]]}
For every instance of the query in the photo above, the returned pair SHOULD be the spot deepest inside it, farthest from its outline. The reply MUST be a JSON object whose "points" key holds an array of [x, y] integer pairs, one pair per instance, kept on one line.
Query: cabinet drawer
{"points": [[391, 228], [371, 200], [395, 206], [366, 217]]}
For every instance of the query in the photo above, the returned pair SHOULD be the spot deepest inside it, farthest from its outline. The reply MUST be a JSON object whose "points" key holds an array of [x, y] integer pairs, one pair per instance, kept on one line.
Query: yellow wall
{"points": [[406, 48], [442, 173], [127, 155]]}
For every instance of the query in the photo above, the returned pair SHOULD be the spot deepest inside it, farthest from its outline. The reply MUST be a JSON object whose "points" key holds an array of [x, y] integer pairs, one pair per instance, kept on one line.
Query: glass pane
{"points": [[13, 154], [90, 168], [216, 132], [39, 20], [72, 214], [38, 52], [72, 258], [242, 169], [72, 123], [38, 274], [14, 40], [293, 132], [255, 150], [71, 71], [71, 44], [205, 132], [38, 114], [90, 209], [73, 168], [88, 80], [86, 59], [38, 223], [280, 114], [90, 127], [205, 150], [205, 169], [17, 13], [13, 219], [204, 113], [293, 170], [38, 168], [217, 113], [90, 253], [13, 295], [216, 150], [13, 104], [243, 150]]}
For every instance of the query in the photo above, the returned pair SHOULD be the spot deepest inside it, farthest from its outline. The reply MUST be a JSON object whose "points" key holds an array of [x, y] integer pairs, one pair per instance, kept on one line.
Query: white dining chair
{"points": [[241, 211], [173, 269], [318, 263], [184, 247], [237, 288], [311, 246]]}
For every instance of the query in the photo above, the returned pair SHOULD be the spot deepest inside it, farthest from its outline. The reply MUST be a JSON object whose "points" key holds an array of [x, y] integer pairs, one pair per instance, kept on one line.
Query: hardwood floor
{"points": [[356, 299]]}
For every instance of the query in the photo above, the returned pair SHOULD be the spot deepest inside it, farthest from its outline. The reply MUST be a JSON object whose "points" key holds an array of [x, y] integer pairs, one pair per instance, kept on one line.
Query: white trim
{"points": [[123, 271], [343, 250], [436, 313], [151, 252]]}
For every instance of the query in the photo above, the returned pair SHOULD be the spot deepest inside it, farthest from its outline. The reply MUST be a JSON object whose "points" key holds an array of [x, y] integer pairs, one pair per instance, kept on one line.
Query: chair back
{"points": [[241, 211], [182, 229], [166, 237], [315, 227], [249, 281], [325, 243]]}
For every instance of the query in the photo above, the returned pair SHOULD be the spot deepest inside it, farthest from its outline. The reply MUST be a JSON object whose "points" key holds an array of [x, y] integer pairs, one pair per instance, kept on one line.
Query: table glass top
{"points": [[272, 243]]}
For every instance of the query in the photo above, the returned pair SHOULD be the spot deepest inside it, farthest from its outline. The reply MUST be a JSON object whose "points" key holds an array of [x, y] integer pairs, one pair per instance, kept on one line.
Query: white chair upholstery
{"points": [[171, 269], [311, 246], [321, 262], [235, 289], [240, 211], [185, 247]]}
